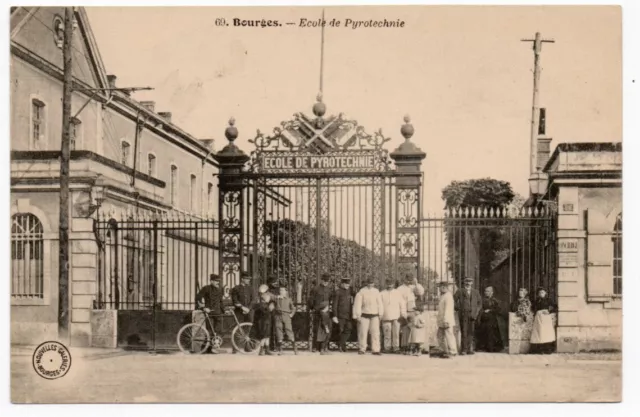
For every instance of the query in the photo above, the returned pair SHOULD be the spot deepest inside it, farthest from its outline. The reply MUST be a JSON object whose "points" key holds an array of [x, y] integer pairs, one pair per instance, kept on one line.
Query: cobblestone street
{"points": [[124, 377]]}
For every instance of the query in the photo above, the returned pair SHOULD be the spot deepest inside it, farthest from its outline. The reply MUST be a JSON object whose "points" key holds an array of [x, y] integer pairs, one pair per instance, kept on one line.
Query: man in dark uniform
{"points": [[243, 296], [319, 295], [210, 297], [341, 313], [468, 304]]}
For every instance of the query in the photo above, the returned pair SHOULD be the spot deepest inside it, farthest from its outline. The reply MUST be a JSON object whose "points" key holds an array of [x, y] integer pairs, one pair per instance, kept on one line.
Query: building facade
{"points": [[127, 159], [585, 181]]}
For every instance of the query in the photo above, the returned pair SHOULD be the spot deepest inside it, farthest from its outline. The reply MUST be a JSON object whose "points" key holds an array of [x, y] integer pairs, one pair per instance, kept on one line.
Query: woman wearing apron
{"points": [[543, 334]]}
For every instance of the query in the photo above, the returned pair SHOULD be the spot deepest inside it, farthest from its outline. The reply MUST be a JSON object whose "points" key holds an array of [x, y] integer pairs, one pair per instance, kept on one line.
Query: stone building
{"points": [[113, 168], [585, 180]]}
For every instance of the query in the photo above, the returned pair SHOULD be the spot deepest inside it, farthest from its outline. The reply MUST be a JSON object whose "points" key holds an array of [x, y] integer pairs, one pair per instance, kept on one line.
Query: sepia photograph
{"points": [[323, 204]]}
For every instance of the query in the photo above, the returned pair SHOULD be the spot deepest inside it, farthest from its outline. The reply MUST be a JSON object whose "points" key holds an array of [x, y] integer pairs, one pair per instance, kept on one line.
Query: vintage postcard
{"points": [[316, 204]]}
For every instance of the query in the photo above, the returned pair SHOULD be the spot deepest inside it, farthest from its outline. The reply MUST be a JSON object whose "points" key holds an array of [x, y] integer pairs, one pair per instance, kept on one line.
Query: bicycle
{"points": [[194, 338]]}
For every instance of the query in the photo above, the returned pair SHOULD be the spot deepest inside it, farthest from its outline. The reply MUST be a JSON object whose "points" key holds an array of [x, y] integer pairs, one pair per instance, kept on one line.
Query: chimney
{"points": [[149, 105], [208, 143], [165, 115], [111, 79]]}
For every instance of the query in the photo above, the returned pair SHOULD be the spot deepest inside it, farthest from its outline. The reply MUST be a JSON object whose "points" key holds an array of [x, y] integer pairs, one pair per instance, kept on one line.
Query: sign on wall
{"points": [[568, 245]]}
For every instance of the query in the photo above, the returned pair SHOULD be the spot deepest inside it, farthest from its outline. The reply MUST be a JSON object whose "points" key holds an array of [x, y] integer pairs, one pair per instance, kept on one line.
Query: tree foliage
{"points": [[473, 248], [478, 193], [292, 254]]}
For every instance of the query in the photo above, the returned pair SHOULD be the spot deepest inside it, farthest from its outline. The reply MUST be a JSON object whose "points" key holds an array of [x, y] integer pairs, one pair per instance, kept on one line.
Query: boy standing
{"points": [[284, 312], [324, 328]]}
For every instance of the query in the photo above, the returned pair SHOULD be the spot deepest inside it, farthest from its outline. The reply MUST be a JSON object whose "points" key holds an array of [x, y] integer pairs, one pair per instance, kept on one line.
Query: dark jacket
{"points": [[543, 304], [243, 294], [342, 304], [212, 297], [468, 303], [319, 295], [262, 320]]}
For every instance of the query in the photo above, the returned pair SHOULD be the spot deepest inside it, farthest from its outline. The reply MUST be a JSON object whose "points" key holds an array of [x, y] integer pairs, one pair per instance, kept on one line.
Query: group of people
{"points": [[395, 311]]}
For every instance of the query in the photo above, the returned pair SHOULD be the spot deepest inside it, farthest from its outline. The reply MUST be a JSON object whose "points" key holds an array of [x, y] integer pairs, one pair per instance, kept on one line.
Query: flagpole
{"points": [[322, 52]]}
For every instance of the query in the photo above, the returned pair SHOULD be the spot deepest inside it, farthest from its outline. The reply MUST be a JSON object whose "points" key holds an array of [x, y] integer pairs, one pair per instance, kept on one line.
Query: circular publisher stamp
{"points": [[51, 360]]}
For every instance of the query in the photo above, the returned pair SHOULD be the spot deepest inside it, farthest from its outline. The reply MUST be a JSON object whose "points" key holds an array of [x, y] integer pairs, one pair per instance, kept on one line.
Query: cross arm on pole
{"points": [[541, 40]]}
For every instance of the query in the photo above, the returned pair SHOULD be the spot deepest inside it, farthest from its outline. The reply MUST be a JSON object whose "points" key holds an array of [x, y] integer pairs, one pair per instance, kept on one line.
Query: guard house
{"points": [[585, 180]]}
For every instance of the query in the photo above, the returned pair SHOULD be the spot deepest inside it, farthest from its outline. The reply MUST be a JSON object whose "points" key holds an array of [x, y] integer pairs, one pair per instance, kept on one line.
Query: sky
{"points": [[461, 73]]}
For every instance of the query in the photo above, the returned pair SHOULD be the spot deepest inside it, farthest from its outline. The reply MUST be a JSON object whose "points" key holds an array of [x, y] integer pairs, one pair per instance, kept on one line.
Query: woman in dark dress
{"points": [[543, 335], [262, 320], [488, 334]]}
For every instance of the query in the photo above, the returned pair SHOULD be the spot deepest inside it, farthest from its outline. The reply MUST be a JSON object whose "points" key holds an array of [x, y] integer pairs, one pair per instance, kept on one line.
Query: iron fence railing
{"points": [[154, 262], [504, 249]]}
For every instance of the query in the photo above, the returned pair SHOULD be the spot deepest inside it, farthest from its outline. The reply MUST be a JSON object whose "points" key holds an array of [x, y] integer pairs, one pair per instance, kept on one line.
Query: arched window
{"points": [[617, 256], [27, 260], [151, 164], [125, 156], [173, 185], [193, 193], [38, 123]]}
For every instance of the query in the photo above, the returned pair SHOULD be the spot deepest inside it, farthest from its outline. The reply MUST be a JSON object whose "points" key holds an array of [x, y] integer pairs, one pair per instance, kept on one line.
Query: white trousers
{"points": [[365, 326], [447, 341], [391, 332]]}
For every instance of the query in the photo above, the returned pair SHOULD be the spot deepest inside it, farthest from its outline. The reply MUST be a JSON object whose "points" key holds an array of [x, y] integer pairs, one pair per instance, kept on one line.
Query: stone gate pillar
{"points": [[230, 208], [408, 211]]}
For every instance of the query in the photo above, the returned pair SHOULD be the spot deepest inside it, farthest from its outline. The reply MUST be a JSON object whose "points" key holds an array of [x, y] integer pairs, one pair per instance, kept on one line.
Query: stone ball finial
{"points": [[319, 109], [407, 129], [231, 132]]}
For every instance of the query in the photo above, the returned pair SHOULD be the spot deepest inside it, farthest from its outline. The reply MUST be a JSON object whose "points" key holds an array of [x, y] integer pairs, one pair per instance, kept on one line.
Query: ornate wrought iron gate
{"points": [[320, 195]]}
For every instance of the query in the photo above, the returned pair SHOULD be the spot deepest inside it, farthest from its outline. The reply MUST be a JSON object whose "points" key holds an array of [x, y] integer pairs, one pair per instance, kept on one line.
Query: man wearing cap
{"points": [[341, 313], [446, 321], [243, 296], [367, 309], [468, 304], [411, 291], [209, 298], [319, 295], [394, 308]]}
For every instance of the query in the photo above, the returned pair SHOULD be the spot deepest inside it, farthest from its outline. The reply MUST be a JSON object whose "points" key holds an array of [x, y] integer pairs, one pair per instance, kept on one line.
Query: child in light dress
{"points": [[419, 331]]}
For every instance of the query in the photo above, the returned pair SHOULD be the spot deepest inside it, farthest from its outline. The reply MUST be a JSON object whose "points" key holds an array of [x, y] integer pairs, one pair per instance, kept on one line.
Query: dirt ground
{"points": [[126, 377]]}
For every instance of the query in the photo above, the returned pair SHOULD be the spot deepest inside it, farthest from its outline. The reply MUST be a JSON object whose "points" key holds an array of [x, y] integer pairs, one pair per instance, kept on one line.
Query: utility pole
{"points": [[537, 49], [63, 261]]}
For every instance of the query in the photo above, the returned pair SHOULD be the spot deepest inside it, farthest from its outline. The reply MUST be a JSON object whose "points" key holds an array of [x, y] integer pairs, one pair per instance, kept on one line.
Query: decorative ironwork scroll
{"points": [[318, 145], [407, 228], [231, 205]]}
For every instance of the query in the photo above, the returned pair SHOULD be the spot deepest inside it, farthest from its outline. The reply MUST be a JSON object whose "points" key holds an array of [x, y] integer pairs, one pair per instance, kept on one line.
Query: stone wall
{"points": [[104, 328]]}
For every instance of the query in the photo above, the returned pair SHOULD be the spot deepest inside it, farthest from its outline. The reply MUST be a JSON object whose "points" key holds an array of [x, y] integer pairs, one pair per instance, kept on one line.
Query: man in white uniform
{"points": [[367, 310], [446, 321], [394, 308]]}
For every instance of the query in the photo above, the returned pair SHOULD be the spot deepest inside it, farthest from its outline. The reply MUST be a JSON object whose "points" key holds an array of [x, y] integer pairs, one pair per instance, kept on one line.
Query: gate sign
{"points": [[304, 162], [318, 145]]}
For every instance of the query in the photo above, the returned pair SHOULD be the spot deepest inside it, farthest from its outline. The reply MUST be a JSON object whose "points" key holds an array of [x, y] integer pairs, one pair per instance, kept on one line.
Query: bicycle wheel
{"points": [[193, 338], [242, 341]]}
